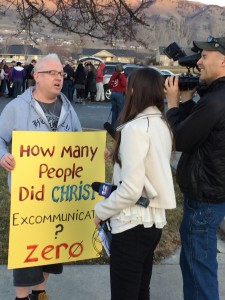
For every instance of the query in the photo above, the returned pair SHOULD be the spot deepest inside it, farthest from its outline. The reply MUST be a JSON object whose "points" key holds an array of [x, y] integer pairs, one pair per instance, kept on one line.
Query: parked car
{"points": [[109, 70], [128, 68], [90, 58], [154, 68], [167, 72]]}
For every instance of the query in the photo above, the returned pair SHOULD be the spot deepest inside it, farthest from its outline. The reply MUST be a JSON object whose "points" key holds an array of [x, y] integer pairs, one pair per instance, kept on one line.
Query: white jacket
{"points": [[145, 151]]}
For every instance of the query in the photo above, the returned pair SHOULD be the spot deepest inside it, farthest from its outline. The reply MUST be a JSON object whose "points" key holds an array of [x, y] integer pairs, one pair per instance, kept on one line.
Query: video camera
{"points": [[187, 81]]}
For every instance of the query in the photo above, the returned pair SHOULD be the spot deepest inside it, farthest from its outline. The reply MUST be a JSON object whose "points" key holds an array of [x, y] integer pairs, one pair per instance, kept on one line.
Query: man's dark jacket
{"points": [[199, 131], [28, 71], [69, 71]]}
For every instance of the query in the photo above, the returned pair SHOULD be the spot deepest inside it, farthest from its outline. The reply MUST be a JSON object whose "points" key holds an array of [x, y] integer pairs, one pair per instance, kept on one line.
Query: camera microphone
{"points": [[105, 189], [108, 127]]}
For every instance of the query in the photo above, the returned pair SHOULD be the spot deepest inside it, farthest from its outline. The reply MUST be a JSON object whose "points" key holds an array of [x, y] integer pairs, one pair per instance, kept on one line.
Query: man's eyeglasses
{"points": [[54, 73], [211, 39]]}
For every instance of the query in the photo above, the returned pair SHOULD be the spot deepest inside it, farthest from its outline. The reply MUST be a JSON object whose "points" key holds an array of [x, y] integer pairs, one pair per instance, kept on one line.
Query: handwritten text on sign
{"points": [[52, 207]]}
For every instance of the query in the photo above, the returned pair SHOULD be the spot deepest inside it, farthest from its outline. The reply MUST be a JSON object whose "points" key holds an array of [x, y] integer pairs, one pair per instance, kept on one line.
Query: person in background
{"points": [[141, 169], [80, 80], [86, 68], [68, 82], [117, 84], [100, 95], [7, 77], [29, 74], [40, 108], [2, 77], [17, 77], [91, 82], [199, 131], [4, 68], [25, 66]]}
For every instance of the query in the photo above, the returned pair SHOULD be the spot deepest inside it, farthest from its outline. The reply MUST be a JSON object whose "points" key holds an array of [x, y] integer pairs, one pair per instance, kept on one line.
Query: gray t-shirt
{"points": [[52, 112]]}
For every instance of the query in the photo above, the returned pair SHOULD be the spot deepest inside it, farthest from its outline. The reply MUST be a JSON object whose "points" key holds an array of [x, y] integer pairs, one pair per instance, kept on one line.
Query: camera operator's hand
{"points": [[187, 95], [172, 91]]}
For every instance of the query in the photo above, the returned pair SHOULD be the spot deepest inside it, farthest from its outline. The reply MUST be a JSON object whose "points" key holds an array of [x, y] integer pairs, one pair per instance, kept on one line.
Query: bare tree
{"points": [[63, 53], [108, 20], [6, 44]]}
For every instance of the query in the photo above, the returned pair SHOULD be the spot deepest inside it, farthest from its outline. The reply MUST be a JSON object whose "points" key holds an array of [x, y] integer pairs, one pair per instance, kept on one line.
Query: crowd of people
{"points": [[15, 77], [81, 83], [145, 138]]}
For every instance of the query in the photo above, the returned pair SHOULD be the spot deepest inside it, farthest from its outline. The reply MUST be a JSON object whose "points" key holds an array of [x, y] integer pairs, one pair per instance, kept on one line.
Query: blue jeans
{"points": [[198, 258], [117, 101], [68, 89], [17, 87]]}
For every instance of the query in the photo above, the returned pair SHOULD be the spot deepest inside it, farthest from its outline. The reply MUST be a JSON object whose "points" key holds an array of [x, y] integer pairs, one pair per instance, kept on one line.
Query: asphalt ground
{"points": [[92, 115]]}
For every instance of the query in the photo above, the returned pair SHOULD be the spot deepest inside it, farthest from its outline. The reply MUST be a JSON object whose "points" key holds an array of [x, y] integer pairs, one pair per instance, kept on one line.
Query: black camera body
{"points": [[186, 81]]}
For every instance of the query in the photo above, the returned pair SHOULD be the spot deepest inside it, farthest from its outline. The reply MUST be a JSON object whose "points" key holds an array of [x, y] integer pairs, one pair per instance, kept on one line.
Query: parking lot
{"points": [[91, 115]]}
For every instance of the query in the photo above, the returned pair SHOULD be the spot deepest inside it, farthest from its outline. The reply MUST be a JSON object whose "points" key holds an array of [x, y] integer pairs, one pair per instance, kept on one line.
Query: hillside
{"points": [[184, 21], [170, 20]]}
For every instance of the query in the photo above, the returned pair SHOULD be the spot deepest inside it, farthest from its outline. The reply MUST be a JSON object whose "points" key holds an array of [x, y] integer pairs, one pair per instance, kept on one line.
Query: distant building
{"points": [[112, 55], [20, 53], [163, 60]]}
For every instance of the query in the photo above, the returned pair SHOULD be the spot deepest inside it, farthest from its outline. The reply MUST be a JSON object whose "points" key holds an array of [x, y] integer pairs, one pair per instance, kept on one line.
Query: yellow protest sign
{"points": [[52, 202]]}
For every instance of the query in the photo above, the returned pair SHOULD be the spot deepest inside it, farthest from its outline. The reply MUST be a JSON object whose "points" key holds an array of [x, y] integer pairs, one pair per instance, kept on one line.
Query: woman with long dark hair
{"points": [[141, 171], [80, 80], [91, 82]]}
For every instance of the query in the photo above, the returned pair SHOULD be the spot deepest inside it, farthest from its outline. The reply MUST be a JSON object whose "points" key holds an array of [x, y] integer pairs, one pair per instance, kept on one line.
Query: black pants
{"points": [[92, 95], [80, 93], [131, 262]]}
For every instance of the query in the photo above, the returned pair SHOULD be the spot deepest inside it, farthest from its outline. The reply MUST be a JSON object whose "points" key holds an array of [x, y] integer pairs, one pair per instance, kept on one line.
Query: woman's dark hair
{"points": [[145, 88], [80, 67], [80, 72], [92, 67]]}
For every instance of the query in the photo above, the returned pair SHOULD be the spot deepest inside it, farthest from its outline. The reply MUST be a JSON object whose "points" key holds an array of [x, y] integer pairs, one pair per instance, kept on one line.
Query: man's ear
{"points": [[223, 61], [36, 77]]}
